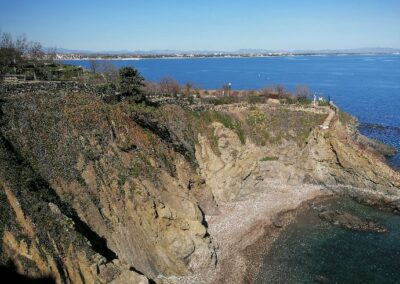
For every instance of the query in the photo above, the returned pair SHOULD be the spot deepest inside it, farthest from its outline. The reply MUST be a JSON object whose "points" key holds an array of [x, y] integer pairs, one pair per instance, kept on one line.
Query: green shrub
{"points": [[323, 103], [254, 99], [345, 118], [222, 100], [269, 158]]}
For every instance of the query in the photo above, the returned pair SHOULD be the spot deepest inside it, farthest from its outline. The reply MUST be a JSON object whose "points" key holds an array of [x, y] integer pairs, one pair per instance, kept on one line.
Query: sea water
{"points": [[314, 251]]}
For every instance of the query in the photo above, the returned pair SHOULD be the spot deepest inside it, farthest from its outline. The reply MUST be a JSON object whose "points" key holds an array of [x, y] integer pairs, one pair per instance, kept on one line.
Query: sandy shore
{"points": [[246, 228]]}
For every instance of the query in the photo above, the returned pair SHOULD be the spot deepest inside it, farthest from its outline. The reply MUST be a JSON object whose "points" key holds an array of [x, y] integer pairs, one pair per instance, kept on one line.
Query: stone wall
{"points": [[50, 87]]}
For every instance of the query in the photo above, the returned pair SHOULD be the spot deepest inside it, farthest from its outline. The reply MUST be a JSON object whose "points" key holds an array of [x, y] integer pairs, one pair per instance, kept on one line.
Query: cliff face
{"points": [[266, 149], [86, 190], [339, 160], [96, 192]]}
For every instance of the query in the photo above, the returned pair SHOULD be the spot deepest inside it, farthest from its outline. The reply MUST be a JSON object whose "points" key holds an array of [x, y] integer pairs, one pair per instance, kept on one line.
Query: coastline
{"points": [[245, 230], [226, 56], [255, 252]]}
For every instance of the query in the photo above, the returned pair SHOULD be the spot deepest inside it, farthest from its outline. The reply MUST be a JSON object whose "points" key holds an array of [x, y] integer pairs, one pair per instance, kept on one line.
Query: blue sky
{"points": [[204, 24]]}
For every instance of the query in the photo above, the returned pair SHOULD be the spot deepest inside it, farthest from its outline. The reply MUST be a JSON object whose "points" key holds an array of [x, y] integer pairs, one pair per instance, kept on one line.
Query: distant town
{"points": [[135, 55]]}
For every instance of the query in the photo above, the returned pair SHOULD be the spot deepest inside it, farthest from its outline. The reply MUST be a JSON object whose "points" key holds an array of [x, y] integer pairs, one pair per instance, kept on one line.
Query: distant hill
{"points": [[355, 50]]}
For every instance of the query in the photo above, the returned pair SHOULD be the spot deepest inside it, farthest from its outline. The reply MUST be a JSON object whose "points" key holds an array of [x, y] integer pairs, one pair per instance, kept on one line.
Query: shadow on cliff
{"points": [[12, 276], [36, 190]]}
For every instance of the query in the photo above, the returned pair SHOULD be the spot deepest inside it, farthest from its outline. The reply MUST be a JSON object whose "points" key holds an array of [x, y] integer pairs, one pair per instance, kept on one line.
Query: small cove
{"points": [[311, 250]]}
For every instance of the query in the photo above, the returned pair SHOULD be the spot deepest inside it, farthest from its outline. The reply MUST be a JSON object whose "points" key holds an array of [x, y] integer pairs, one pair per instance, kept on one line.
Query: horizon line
{"points": [[241, 50]]}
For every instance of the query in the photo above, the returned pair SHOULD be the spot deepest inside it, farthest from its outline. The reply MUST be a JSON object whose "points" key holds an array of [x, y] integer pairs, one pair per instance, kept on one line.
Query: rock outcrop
{"points": [[90, 195], [351, 222], [337, 160], [228, 172]]}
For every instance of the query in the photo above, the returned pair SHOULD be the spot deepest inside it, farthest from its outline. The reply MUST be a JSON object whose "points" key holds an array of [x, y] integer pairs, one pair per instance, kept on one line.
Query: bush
{"points": [[323, 103], [131, 84], [223, 101], [253, 99], [269, 158]]}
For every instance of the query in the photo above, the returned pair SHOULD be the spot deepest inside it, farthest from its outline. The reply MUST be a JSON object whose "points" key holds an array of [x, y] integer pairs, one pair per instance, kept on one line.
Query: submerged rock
{"points": [[377, 146], [351, 222]]}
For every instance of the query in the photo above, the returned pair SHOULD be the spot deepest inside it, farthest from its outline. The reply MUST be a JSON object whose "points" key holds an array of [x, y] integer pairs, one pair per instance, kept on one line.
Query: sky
{"points": [[104, 25]]}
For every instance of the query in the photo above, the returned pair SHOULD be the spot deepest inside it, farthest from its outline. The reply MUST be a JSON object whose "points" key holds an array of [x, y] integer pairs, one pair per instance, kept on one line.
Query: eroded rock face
{"points": [[336, 160], [267, 149], [227, 173], [122, 182], [237, 168]]}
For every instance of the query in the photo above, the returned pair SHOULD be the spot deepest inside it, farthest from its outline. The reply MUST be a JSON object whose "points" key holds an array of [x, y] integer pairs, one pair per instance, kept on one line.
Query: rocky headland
{"points": [[100, 191]]}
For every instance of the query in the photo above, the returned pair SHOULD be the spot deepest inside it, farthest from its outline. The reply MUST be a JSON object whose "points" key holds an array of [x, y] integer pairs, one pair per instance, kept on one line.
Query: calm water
{"points": [[313, 251], [368, 87]]}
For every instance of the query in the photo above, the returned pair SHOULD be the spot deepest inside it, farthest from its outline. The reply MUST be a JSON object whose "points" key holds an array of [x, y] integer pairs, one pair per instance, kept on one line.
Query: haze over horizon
{"points": [[205, 25]]}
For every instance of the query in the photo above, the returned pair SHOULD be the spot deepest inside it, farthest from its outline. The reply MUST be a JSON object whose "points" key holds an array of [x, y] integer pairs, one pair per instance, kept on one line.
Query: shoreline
{"points": [[254, 253], [245, 230]]}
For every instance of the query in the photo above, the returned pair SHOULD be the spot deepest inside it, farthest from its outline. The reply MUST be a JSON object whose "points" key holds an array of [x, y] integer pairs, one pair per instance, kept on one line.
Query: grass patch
{"points": [[346, 118], [269, 158], [202, 122], [323, 103], [280, 125], [141, 166]]}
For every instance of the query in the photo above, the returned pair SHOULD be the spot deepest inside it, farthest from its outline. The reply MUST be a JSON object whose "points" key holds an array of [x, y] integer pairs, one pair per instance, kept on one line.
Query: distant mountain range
{"points": [[380, 50]]}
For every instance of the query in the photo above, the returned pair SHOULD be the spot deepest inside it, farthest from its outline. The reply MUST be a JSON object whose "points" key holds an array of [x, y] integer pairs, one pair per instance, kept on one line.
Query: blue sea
{"points": [[366, 86], [313, 251]]}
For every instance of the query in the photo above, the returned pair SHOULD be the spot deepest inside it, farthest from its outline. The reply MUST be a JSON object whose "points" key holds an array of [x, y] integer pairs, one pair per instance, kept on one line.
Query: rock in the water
{"points": [[351, 222]]}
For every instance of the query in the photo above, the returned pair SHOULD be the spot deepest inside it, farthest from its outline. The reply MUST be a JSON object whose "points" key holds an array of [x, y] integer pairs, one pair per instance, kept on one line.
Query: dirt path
{"points": [[328, 119]]}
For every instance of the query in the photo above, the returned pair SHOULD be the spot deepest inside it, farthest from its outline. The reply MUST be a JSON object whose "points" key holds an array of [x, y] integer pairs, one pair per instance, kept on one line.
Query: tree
{"points": [[268, 92], [22, 57], [188, 88], [93, 65], [10, 56], [302, 92], [169, 86], [280, 90], [109, 71], [131, 83], [36, 51], [51, 53], [36, 54], [22, 45], [152, 88]]}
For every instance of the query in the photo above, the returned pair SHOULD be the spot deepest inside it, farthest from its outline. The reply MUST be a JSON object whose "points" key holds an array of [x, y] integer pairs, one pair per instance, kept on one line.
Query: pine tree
{"points": [[131, 83]]}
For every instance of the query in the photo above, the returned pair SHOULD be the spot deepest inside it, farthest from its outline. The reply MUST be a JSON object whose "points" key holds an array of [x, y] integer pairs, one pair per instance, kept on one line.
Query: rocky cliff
{"points": [[115, 192], [89, 195], [340, 160]]}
